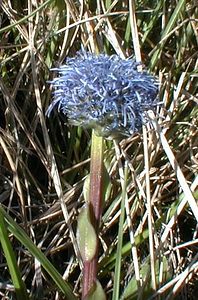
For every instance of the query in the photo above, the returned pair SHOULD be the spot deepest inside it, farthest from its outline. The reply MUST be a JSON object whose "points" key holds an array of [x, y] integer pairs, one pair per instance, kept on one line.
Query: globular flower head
{"points": [[104, 92]]}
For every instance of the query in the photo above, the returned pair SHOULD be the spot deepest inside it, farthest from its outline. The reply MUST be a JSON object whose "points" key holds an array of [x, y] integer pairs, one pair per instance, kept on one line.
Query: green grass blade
{"points": [[116, 286], [20, 234], [156, 56], [18, 283]]}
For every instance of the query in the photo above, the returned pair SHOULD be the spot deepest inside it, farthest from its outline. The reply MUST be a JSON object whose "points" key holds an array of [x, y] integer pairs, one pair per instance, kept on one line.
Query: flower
{"points": [[104, 92]]}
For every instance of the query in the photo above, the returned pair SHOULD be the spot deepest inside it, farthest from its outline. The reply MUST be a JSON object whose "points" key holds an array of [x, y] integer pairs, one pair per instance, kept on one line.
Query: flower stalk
{"points": [[95, 205]]}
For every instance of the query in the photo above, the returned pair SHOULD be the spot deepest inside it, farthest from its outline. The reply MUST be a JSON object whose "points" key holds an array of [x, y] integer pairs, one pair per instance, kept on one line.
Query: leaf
{"points": [[86, 236], [97, 293]]}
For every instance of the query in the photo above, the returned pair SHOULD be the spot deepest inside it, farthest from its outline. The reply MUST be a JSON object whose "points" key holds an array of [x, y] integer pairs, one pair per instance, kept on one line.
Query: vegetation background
{"points": [[160, 239]]}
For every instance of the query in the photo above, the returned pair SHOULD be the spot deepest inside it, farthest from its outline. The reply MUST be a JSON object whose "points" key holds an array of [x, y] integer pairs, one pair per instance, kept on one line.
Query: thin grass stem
{"points": [[116, 288], [149, 209]]}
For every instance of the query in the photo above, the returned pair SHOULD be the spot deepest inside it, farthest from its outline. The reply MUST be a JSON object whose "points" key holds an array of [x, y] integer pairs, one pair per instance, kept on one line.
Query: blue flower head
{"points": [[104, 92]]}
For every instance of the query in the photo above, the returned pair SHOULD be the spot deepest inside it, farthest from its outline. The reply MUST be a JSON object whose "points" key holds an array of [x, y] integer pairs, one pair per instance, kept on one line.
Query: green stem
{"points": [[95, 201]]}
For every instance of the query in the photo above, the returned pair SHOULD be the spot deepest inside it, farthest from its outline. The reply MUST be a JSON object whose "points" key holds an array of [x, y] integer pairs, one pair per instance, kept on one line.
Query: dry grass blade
{"points": [[134, 31], [54, 170], [179, 210], [149, 210], [187, 192], [178, 281]]}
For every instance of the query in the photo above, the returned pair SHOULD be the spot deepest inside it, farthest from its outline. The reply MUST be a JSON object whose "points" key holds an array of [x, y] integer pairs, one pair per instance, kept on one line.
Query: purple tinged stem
{"points": [[95, 201]]}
